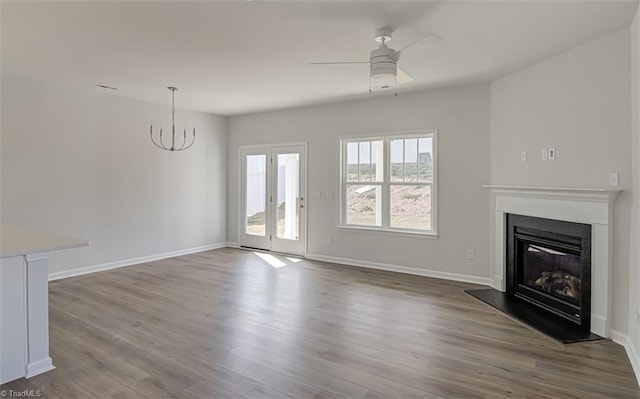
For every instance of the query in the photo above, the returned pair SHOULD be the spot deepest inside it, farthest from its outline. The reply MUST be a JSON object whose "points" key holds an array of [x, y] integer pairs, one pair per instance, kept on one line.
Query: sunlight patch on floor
{"points": [[270, 259]]}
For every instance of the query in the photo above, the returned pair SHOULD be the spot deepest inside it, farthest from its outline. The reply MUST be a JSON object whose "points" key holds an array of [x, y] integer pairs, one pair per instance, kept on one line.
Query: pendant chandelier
{"points": [[160, 143]]}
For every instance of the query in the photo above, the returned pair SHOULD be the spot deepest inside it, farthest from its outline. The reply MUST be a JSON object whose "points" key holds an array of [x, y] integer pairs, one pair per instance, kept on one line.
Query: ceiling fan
{"points": [[384, 71]]}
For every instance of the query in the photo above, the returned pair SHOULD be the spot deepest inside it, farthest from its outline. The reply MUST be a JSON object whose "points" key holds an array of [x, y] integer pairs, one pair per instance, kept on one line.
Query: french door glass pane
{"points": [[363, 206], [410, 207], [288, 196], [256, 192]]}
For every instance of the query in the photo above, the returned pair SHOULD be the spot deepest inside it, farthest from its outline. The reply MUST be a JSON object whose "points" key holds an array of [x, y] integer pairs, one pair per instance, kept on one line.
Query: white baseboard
{"points": [[634, 359], [632, 353], [403, 269], [599, 326], [619, 338], [39, 367], [497, 283], [133, 261], [233, 244]]}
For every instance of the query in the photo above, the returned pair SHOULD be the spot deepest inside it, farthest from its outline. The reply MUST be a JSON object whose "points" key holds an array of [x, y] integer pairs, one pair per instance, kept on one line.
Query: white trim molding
{"points": [[465, 278], [38, 367], [37, 256], [133, 261], [632, 353], [580, 205]]}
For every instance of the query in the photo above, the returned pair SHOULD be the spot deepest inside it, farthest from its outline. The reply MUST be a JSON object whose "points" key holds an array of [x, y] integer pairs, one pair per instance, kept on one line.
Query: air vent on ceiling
{"points": [[106, 87]]}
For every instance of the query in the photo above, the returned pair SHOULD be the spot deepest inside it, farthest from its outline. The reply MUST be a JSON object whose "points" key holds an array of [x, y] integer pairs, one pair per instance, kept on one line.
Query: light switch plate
{"points": [[552, 154], [523, 156], [545, 154]]}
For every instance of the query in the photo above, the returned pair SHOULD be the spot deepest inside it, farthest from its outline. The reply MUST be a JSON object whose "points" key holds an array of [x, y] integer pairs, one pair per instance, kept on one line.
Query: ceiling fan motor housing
{"points": [[383, 67]]}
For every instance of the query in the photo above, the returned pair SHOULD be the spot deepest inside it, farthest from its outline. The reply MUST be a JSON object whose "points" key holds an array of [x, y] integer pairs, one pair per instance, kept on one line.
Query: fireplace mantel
{"points": [[592, 206]]}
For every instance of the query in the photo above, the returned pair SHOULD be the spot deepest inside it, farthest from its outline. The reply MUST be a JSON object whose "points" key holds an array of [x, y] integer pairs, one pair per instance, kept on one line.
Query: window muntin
{"points": [[388, 183]]}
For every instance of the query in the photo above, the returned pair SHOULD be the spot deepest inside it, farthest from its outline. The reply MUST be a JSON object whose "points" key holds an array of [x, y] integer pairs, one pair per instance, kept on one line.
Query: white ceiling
{"points": [[240, 57]]}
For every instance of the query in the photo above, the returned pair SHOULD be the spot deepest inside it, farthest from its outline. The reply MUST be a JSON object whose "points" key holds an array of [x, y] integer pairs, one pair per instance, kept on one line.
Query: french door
{"points": [[272, 192]]}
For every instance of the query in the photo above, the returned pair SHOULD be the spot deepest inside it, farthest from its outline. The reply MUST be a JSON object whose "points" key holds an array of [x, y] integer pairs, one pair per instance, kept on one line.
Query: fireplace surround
{"points": [[593, 207]]}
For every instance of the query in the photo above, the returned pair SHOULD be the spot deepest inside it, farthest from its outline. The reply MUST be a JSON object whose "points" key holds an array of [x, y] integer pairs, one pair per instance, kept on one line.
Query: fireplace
{"points": [[548, 265], [592, 207]]}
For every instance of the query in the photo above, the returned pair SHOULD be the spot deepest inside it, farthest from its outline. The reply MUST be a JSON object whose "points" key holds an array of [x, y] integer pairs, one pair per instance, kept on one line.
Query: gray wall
{"points": [[461, 116], [80, 163], [578, 103], [634, 268]]}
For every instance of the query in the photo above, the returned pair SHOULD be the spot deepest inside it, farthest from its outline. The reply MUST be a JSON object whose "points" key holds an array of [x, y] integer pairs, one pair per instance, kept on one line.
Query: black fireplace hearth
{"points": [[548, 277]]}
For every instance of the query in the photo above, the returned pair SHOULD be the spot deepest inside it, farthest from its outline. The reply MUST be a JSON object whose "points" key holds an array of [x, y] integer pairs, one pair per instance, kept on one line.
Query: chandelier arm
{"points": [[192, 141], [162, 142], [184, 139], [156, 144], [152, 139]]}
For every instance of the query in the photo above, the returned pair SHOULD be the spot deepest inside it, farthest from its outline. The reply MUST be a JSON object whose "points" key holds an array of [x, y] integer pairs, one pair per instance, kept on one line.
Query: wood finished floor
{"points": [[225, 323]]}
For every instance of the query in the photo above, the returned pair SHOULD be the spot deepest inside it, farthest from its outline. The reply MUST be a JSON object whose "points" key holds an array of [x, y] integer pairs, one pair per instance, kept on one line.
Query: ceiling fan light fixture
{"points": [[384, 67], [383, 78], [383, 35], [383, 74]]}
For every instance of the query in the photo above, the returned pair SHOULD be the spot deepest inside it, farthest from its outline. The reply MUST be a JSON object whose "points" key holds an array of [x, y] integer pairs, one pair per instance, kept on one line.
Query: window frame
{"points": [[386, 184]]}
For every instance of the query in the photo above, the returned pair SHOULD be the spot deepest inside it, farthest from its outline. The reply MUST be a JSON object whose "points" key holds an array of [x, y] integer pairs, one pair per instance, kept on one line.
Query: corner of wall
{"points": [[632, 345]]}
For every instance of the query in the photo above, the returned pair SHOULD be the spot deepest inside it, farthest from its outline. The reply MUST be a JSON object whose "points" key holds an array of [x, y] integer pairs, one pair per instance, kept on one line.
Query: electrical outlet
{"points": [[614, 178], [552, 154], [471, 254], [523, 156], [545, 154]]}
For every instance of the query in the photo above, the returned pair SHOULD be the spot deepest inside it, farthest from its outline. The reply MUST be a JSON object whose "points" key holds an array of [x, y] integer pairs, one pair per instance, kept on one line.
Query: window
{"points": [[388, 183]]}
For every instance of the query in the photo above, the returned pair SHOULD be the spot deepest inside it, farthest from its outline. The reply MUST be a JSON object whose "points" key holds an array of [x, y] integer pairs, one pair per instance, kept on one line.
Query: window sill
{"points": [[401, 233]]}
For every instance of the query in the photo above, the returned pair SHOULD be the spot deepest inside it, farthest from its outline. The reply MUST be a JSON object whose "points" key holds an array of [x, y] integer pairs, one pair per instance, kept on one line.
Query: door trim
{"points": [[303, 191]]}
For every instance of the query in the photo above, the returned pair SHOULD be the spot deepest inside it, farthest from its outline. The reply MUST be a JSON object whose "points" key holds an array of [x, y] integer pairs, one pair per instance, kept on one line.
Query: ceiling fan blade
{"points": [[339, 63], [429, 36], [402, 76]]}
